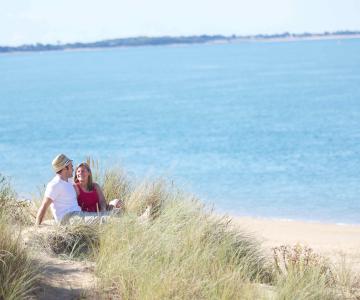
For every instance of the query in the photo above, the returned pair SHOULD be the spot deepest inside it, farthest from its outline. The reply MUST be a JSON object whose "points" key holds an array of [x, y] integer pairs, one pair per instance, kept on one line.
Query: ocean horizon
{"points": [[256, 129]]}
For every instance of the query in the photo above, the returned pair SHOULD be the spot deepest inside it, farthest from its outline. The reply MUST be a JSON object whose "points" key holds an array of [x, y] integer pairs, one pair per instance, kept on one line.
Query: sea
{"points": [[261, 129]]}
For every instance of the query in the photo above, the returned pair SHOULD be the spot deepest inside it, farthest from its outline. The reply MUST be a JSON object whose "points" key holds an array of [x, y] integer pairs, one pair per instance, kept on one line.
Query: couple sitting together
{"points": [[82, 200]]}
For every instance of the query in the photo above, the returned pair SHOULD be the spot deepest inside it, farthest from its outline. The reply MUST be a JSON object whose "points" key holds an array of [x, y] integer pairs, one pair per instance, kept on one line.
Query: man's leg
{"points": [[81, 217]]}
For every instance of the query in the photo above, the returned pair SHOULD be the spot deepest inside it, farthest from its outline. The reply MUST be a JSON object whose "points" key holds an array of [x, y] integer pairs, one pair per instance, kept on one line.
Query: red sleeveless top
{"points": [[88, 201]]}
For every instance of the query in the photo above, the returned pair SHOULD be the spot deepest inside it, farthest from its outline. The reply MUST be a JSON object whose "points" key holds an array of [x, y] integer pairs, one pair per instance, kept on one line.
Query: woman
{"points": [[89, 194]]}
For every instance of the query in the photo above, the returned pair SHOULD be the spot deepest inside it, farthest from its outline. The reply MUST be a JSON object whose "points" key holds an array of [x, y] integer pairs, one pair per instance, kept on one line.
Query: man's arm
{"points": [[42, 210]]}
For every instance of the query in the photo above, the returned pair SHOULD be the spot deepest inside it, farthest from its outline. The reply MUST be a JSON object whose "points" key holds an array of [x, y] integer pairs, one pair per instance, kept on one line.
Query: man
{"points": [[60, 195]]}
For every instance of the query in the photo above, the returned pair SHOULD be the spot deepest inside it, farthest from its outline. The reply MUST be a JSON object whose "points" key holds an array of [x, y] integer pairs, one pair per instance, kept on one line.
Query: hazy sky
{"points": [[30, 21]]}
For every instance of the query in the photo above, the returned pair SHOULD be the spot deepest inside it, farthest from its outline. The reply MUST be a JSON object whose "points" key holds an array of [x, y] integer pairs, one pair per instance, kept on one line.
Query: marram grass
{"points": [[75, 241], [16, 211], [183, 253], [18, 273]]}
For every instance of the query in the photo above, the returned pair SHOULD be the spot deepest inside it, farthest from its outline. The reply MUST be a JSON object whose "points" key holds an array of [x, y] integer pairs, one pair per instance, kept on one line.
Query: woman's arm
{"points": [[102, 201]]}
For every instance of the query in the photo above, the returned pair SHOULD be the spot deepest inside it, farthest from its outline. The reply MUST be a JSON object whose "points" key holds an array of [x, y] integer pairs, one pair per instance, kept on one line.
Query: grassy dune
{"points": [[178, 250], [183, 254]]}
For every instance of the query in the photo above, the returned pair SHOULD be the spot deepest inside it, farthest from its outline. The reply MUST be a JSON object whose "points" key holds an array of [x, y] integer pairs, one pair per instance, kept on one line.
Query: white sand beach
{"points": [[331, 240]]}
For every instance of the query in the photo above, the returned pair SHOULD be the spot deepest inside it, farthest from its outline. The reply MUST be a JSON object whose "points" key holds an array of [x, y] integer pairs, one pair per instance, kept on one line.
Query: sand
{"points": [[331, 240]]}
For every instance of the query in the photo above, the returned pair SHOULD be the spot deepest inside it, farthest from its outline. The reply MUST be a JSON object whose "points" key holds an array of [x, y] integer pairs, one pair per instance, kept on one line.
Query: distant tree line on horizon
{"points": [[166, 40]]}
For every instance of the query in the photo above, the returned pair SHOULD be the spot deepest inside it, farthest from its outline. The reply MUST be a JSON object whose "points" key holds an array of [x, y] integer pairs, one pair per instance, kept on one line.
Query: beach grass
{"points": [[114, 181], [302, 274], [16, 211], [182, 251], [75, 241], [18, 273], [168, 245], [346, 278], [304, 285]]}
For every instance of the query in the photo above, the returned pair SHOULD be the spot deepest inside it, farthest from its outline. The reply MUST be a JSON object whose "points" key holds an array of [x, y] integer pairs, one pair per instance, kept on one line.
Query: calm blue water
{"points": [[259, 129]]}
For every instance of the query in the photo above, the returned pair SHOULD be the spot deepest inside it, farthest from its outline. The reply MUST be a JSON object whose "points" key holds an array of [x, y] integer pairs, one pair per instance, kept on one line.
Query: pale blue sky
{"points": [[46, 21]]}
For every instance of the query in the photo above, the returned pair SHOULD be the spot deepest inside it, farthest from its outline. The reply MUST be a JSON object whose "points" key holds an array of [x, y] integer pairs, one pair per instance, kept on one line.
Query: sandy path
{"points": [[65, 279], [60, 278]]}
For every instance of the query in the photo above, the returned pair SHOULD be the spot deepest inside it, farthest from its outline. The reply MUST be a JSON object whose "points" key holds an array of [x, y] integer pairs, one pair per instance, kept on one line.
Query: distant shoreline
{"points": [[310, 38], [179, 41]]}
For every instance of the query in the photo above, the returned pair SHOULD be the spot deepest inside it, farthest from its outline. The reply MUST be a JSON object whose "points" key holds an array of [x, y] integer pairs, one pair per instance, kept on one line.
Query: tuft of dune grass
{"points": [[149, 194], [75, 241], [346, 278], [17, 211], [18, 273], [310, 284], [303, 274], [182, 253], [114, 181]]}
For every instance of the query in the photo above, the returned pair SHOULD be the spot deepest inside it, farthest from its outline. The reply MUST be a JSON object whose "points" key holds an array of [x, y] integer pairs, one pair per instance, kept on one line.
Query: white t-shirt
{"points": [[63, 195]]}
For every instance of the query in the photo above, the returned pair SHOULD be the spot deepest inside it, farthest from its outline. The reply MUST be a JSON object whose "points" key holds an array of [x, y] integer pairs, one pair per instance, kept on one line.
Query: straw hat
{"points": [[60, 162]]}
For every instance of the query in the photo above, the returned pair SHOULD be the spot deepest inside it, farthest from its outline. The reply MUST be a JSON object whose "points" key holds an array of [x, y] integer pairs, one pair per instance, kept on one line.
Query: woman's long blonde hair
{"points": [[90, 184]]}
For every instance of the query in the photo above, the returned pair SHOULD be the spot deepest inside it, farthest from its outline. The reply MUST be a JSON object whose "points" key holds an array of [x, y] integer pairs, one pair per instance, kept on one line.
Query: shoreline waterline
{"points": [[290, 220]]}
